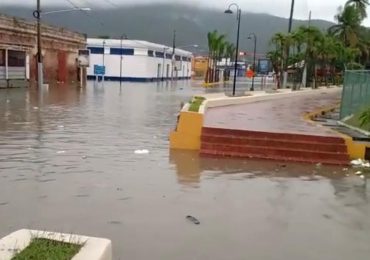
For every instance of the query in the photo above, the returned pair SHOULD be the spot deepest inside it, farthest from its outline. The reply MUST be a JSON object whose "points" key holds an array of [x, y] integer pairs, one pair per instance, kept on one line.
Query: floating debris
{"points": [[61, 152], [358, 162], [84, 157], [61, 126], [142, 151], [36, 108], [193, 219], [358, 173]]}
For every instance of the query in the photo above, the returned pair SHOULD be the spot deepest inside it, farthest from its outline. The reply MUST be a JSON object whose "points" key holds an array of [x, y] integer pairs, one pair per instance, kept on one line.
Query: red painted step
{"points": [[272, 151], [276, 146], [278, 136], [281, 143], [217, 154]]}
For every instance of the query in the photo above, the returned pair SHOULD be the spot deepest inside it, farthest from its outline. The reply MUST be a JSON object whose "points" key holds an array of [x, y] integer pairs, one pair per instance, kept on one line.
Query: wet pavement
{"points": [[283, 115], [67, 163]]}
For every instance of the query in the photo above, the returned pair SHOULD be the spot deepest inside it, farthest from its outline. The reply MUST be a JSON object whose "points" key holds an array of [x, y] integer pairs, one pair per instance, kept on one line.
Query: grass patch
{"points": [[356, 121], [195, 104], [45, 249]]}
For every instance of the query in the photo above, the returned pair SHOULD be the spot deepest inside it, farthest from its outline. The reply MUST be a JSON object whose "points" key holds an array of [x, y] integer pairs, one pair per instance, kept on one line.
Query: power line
{"points": [[111, 3], [87, 14]]}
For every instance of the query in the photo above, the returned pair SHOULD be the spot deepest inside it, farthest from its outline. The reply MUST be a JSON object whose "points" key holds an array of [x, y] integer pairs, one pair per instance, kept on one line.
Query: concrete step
{"points": [[277, 143], [268, 152], [272, 136], [213, 153]]}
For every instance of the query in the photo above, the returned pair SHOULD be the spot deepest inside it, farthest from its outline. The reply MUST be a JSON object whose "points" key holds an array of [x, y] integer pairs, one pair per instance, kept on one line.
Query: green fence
{"points": [[356, 92]]}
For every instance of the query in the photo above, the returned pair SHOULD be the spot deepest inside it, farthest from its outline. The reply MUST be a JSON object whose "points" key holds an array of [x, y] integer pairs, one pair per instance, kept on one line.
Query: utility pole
{"points": [[304, 76], [285, 76], [40, 76], [173, 53], [291, 17]]}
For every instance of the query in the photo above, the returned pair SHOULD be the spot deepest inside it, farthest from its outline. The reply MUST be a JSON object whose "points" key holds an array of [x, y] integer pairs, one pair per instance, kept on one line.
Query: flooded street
{"points": [[68, 164]]}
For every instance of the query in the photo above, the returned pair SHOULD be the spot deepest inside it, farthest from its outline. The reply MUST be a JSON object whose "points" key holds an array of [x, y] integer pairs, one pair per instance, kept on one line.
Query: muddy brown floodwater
{"points": [[67, 163]]}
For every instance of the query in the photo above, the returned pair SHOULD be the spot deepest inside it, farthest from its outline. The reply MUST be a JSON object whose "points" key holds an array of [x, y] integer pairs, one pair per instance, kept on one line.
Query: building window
{"points": [[159, 54], [177, 57], [184, 59], [117, 51], [2, 57], [16, 58], [95, 50], [151, 53], [168, 56]]}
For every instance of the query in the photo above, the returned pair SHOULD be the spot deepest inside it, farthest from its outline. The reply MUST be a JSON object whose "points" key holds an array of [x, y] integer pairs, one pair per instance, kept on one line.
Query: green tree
{"points": [[219, 48], [212, 38], [348, 25], [360, 5]]}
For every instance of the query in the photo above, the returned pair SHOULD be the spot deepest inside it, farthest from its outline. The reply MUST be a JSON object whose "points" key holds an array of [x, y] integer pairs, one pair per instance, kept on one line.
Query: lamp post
{"points": [[123, 36], [37, 14], [104, 52], [254, 56], [238, 17]]}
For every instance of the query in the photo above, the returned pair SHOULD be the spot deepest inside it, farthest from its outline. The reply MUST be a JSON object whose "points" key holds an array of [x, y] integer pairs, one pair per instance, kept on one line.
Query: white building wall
{"points": [[139, 66]]}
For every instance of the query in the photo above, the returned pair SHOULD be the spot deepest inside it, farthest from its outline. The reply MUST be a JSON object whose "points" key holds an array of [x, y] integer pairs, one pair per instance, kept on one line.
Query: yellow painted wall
{"points": [[356, 150], [188, 132]]}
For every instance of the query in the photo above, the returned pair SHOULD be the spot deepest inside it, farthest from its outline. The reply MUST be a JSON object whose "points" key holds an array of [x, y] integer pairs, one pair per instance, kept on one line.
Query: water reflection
{"points": [[190, 168]]}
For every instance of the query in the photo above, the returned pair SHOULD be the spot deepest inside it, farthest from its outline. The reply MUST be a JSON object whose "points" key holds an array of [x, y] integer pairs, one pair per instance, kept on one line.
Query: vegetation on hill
{"points": [[156, 22]]}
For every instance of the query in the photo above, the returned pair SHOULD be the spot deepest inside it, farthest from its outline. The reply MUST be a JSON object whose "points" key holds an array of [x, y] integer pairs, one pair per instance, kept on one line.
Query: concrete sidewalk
{"points": [[279, 115]]}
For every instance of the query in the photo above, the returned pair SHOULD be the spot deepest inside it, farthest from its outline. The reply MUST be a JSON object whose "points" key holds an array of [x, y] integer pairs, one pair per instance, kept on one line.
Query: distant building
{"points": [[141, 60], [18, 53], [200, 66]]}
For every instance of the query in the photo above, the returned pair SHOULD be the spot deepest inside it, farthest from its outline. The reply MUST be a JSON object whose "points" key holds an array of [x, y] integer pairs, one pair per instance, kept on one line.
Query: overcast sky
{"points": [[321, 9]]}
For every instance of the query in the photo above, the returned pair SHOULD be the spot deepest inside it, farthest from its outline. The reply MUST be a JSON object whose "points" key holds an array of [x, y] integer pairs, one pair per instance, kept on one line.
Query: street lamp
{"points": [[254, 56], [37, 14], [238, 17], [86, 9], [123, 36]]}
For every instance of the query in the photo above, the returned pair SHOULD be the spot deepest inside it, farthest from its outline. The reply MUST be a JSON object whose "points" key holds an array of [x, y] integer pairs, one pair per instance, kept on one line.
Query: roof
{"points": [[116, 43]]}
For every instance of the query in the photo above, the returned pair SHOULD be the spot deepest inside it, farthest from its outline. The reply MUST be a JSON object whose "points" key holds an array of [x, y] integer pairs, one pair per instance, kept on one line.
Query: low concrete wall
{"points": [[188, 132], [93, 249]]}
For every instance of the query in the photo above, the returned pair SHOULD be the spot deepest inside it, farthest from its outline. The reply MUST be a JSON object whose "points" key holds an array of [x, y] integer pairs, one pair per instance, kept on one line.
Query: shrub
{"points": [[365, 117], [195, 104]]}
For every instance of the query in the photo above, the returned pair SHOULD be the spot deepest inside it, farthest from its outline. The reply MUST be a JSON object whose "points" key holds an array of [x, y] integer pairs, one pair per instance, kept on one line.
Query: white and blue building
{"points": [[135, 60]]}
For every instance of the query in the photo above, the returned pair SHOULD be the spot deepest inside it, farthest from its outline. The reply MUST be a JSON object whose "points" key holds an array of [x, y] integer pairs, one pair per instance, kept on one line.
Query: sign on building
{"points": [[84, 58], [99, 70], [263, 66]]}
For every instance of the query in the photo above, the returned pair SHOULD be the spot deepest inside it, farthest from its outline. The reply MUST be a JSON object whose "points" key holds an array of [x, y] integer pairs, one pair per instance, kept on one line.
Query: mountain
{"points": [[156, 23]]}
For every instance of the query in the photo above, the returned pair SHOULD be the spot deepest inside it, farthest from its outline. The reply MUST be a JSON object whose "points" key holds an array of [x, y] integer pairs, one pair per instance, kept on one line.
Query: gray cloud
{"points": [[321, 9]]}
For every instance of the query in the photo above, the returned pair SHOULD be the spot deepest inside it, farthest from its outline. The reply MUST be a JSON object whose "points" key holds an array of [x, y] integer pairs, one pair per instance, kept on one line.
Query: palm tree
{"points": [[282, 44], [349, 21], [230, 50], [211, 37], [360, 5], [221, 54], [219, 47]]}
